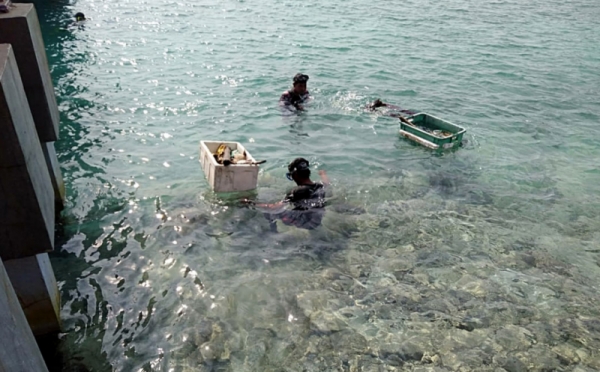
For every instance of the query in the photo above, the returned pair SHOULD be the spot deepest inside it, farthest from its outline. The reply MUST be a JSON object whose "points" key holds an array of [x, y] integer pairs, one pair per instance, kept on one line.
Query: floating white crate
{"points": [[231, 178]]}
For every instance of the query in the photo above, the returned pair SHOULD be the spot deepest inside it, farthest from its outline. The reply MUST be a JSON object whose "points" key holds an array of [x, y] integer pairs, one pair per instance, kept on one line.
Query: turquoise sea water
{"points": [[484, 258]]}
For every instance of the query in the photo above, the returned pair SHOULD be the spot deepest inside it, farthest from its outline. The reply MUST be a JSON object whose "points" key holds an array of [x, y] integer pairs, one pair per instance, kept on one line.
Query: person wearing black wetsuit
{"points": [[297, 95], [307, 200], [304, 205], [393, 110]]}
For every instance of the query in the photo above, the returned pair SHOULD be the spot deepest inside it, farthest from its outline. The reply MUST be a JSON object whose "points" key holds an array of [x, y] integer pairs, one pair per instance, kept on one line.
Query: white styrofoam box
{"points": [[231, 178]]}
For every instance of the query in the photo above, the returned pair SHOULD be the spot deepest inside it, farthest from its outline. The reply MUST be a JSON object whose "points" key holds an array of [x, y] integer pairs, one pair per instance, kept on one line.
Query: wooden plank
{"points": [[26, 193], [18, 349], [21, 28]]}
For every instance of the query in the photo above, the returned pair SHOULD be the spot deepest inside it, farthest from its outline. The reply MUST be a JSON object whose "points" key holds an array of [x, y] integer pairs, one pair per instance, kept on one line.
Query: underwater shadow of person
{"points": [[457, 186], [312, 236]]}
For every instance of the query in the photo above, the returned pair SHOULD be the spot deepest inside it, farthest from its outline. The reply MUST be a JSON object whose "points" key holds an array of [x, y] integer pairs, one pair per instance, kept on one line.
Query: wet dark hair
{"points": [[79, 15], [300, 78], [377, 103], [300, 166]]}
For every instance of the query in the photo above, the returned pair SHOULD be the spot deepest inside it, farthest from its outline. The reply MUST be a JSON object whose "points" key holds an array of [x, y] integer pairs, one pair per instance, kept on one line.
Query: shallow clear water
{"points": [[479, 259]]}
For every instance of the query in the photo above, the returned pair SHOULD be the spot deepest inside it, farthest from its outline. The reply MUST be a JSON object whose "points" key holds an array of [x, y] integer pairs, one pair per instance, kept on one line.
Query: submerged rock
{"points": [[255, 355], [466, 360], [398, 354], [325, 322], [513, 337], [211, 350], [347, 209], [584, 369], [569, 355], [429, 369], [202, 332], [349, 341], [441, 305], [437, 259], [314, 301], [332, 274], [513, 364], [543, 358], [546, 262], [397, 267]]}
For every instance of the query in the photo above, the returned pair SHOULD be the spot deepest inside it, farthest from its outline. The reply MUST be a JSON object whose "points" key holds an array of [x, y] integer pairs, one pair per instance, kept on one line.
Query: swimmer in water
{"points": [[78, 23], [297, 95], [304, 205], [395, 111]]}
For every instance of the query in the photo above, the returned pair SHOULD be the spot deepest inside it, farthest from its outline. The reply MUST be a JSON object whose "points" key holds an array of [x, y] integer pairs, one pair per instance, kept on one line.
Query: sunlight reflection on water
{"points": [[480, 259]]}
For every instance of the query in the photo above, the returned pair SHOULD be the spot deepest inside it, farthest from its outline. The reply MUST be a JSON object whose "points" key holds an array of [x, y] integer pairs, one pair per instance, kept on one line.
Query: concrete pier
{"points": [[26, 203], [21, 28], [26, 194], [19, 351], [33, 280], [58, 185], [31, 190]]}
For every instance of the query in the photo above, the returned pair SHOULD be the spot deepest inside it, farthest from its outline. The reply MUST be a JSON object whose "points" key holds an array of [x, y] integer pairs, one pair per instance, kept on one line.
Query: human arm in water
{"points": [[326, 183], [268, 206], [324, 177], [290, 197]]}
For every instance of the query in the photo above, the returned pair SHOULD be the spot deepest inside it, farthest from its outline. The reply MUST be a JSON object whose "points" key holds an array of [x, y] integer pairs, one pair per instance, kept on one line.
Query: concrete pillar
{"points": [[26, 194], [20, 28], [55, 175], [18, 349], [26, 203], [33, 281]]}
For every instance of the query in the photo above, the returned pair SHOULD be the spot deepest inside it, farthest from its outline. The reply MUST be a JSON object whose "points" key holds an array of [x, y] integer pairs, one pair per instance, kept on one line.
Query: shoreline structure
{"points": [[32, 192]]}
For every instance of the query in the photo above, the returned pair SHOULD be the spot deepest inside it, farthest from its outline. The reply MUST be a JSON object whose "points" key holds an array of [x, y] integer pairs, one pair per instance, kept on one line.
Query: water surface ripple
{"points": [[485, 259]]}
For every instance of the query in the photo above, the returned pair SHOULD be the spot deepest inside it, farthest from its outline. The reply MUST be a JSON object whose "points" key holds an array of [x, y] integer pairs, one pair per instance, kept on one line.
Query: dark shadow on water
{"points": [[454, 185], [59, 361]]}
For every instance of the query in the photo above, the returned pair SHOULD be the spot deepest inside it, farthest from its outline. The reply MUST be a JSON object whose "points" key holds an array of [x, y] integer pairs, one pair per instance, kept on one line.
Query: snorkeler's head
{"points": [[377, 103], [300, 78], [299, 169], [79, 16], [300, 83]]}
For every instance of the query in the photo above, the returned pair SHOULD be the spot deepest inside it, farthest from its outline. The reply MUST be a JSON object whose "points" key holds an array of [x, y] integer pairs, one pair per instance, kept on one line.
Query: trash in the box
{"points": [[5, 6], [225, 156]]}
